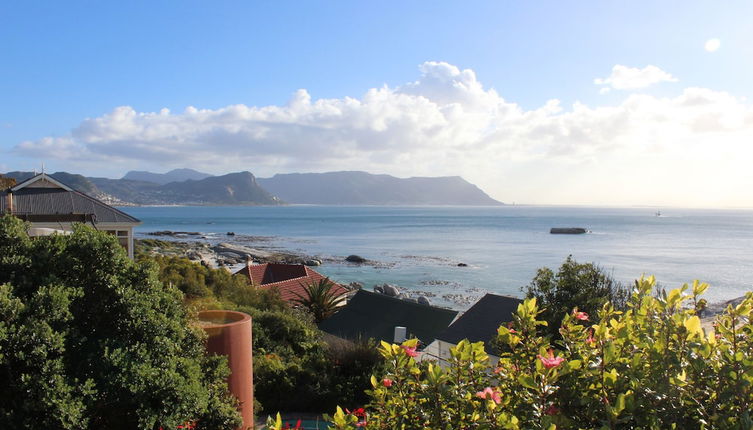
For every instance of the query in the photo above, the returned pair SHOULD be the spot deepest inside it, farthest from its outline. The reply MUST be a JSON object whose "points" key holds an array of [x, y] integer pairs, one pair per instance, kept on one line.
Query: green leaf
{"points": [[693, 326]]}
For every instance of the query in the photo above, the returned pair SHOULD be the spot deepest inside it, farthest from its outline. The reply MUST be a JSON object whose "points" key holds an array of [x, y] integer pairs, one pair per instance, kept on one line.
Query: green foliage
{"points": [[585, 286], [290, 363], [212, 288], [320, 299], [91, 339], [651, 366], [351, 365]]}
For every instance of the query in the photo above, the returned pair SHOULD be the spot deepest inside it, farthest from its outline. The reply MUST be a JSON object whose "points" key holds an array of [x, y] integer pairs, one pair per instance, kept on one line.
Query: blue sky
{"points": [[65, 62]]}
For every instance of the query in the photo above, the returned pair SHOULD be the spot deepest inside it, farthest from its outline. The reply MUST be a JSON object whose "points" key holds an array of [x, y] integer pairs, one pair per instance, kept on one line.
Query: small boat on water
{"points": [[658, 213]]}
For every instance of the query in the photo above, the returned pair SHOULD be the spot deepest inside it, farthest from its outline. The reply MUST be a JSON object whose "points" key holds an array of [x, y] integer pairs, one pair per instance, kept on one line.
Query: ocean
{"points": [[419, 248]]}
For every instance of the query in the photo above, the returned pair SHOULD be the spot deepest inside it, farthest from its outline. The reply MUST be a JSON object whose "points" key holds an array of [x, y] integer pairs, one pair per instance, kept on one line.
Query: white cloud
{"points": [[712, 45], [687, 149], [631, 78]]}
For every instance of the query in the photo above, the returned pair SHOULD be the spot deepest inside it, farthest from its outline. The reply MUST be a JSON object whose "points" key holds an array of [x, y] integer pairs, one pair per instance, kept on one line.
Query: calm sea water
{"points": [[418, 248]]}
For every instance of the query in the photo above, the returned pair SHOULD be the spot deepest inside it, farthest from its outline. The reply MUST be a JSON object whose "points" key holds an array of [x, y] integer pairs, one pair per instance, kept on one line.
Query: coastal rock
{"points": [[174, 233], [462, 265], [313, 262], [231, 255], [422, 300], [241, 251], [355, 259], [355, 285], [390, 290], [378, 289], [568, 230]]}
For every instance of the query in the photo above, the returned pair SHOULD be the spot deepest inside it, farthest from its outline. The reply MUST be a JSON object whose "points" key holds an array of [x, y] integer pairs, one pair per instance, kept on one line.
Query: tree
{"points": [[91, 339], [320, 299], [585, 286]]}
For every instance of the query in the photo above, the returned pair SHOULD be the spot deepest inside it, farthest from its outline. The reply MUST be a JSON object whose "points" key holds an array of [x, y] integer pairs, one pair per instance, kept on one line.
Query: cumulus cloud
{"points": [[712, 45], [631, 78], [445, 123]]}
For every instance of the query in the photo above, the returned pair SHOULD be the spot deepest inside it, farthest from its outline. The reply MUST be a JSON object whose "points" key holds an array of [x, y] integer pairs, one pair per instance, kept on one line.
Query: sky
{"points": [[545, 102]]}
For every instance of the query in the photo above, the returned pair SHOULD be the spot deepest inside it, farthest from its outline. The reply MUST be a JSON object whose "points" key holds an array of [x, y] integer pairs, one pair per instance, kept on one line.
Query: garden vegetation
{"points": [[650, 366], [92, 339]]}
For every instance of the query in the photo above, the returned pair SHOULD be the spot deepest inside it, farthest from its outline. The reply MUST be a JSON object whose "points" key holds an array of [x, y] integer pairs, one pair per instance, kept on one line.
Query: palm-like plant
{"points": [[320, 299]]}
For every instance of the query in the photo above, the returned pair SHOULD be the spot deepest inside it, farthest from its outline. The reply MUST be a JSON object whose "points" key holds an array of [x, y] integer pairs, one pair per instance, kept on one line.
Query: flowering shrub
{"points": [[652, 366]]}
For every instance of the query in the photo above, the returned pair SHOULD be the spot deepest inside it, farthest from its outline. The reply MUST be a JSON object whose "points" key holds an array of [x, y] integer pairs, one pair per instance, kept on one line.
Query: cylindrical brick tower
{"points": [[230, 334]]}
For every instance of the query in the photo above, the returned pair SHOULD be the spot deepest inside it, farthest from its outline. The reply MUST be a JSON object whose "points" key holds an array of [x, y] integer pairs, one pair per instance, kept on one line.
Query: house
{"points": [[479, 323], [51, 206], [288, 279], [374, 316]]}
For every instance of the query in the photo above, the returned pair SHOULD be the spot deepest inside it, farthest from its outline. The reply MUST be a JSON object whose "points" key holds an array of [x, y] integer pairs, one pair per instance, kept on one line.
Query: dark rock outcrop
{"points": [[355, 259], [568, 230]]}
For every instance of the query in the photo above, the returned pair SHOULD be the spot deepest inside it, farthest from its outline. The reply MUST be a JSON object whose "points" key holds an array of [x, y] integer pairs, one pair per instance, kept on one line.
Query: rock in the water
{"points": [[313, 262], [231, 233], [355, 285], [378, 289], [423, 300], [355, 259], [390, 290], [462, 265], [567, 230]]}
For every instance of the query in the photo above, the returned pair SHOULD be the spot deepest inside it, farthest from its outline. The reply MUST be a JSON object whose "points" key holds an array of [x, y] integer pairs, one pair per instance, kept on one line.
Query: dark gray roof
{"points": [[481, 321], [56, 204], [372, 315]]}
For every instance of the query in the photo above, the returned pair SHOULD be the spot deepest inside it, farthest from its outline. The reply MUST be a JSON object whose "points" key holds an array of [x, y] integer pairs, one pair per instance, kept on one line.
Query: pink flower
{"points": [[387, 382], [361, 424], [410, 351], [552, 410], [590, 339], [551, 361], [489, 394], [580, 315]]}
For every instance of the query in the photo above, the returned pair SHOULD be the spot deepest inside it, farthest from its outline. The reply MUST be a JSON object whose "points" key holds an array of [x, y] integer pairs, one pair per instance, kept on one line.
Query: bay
{"points": [[419, 248]]}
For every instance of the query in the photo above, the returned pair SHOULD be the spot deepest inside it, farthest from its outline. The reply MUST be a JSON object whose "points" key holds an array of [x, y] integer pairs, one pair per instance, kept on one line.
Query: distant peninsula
{"points": [[190, 187], [361, 188]]}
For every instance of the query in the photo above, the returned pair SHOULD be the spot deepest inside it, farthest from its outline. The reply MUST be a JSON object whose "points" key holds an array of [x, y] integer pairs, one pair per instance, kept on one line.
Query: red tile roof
{"points": [[288, 279]]}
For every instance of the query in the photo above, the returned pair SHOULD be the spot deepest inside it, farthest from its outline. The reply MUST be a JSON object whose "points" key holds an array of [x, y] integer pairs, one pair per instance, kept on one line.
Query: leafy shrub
{"points": [[651, 366], [206, 288], [351, 365], [291, 370]]}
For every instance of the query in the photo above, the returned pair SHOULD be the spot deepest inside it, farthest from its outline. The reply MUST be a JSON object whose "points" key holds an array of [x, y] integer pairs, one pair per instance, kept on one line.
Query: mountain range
{"points": [[190, 187]]}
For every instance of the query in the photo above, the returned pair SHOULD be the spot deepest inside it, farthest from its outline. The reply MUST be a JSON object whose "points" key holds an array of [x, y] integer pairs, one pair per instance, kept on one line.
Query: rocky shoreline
{"points": [[231, 251]]}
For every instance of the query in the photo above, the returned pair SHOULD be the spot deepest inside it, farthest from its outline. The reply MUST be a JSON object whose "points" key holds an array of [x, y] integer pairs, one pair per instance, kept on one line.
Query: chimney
{"points": [[9, 201], [400, 334]]}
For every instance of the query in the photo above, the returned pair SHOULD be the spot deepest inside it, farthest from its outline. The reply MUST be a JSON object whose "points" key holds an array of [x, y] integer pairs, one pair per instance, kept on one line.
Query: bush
{"points": [[652, 366], [206, 288], [91, 339], [582, 285], [291, 370]]}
